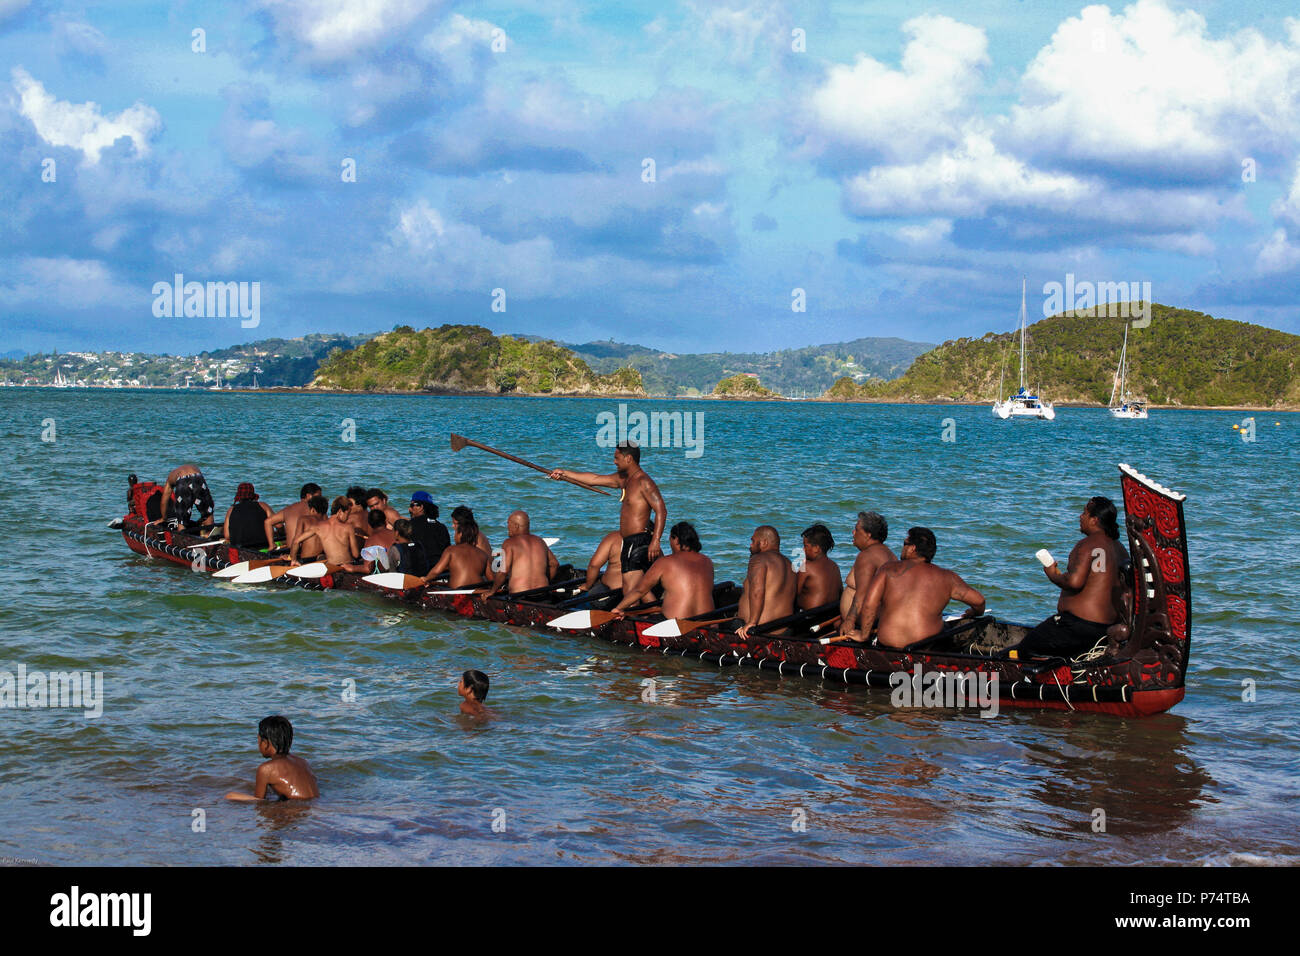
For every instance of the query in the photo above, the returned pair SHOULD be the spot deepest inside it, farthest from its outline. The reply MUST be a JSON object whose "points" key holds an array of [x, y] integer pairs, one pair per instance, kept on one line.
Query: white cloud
{"points": [[936, 230], [903, 113], [1149, 88], [64, 283], [335, 30], [81, 125], [1288, 208], [1278, 254]]}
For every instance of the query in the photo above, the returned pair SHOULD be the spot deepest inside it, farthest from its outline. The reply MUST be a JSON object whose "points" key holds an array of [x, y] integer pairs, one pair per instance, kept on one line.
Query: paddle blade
{"points": [[234, 571], [458, 442], [669, 628], [317, 569], [551, 542], [260, 575], [395, 581], [581, 620]]}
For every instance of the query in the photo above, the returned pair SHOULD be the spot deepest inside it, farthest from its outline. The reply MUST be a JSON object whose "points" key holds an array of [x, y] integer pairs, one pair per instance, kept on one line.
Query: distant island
{"points": [[1181, 358]]}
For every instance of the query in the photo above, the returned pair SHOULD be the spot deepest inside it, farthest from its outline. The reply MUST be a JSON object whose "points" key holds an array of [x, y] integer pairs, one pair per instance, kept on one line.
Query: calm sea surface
{"points": [[576, 767]]}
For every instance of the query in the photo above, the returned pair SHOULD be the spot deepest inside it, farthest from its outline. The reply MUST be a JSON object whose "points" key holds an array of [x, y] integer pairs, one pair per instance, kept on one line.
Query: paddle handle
{"points": [[525, 462]]}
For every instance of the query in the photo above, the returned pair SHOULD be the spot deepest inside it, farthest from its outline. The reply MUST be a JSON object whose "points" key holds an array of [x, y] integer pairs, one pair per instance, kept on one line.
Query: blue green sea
{"points": [[577, 765]]}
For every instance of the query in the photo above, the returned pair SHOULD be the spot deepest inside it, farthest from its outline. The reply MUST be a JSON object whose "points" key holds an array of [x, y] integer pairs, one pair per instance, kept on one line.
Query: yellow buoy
{"points": [[1235, 427]]}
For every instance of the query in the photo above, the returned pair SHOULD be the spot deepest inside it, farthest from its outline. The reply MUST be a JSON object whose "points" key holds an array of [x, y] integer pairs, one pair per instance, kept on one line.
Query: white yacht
{"points": [[1023, 404]]}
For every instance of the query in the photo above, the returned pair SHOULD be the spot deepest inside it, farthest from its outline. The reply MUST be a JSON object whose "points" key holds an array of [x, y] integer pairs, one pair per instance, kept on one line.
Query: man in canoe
{"points": [[869, 534], [245, 522], [292, 515], [819, 582], [338, 537], [425, 526], [600, 582], [464, 561], [380, 538], [306, 545], [185, 490], [358, 514], [769, 582], [462, 513], [407, 555], [283, 776], [906, 598], [641, 496], [1086, 607], [526, 561], [377, 500], [686, 576]]}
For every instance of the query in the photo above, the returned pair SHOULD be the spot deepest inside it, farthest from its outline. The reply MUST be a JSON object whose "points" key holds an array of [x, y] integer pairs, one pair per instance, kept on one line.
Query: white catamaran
{"points": [[1127, 407], [1023, 404]]}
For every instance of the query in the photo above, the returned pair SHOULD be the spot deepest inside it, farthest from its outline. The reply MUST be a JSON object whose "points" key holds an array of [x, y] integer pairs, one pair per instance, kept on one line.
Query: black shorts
{"points": [[636, 552], [1063, 635], [191, 491]]}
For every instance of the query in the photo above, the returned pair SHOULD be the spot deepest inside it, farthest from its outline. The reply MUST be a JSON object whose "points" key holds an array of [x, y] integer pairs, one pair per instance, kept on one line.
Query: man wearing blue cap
{"points": [[426, 528]]}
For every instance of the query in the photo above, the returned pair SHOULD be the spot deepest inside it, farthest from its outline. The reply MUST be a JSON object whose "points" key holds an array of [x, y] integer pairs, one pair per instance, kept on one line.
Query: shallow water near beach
{"points": [[576, 766]]}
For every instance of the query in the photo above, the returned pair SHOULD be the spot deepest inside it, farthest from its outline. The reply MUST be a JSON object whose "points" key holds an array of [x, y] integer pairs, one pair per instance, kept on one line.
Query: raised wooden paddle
{"points": [[460, 441]]}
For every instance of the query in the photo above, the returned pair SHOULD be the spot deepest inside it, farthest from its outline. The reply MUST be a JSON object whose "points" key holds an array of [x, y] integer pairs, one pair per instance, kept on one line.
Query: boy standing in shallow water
{"points": [[473, 688], [283, 775]]}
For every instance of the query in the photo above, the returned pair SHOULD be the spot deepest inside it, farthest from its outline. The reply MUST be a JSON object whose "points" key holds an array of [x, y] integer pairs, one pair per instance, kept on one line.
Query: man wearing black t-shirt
{"points": [[426, 528]]}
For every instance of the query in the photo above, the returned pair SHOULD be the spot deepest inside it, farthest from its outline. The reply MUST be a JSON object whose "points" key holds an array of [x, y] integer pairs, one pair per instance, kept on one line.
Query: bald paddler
{"points": [[526, 561], [769, 582], [641, 496], [686, 576], [906, 598]]}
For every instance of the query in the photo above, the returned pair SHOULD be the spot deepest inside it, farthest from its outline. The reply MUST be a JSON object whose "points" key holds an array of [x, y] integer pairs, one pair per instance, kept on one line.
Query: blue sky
{"points": [[904, 169]]}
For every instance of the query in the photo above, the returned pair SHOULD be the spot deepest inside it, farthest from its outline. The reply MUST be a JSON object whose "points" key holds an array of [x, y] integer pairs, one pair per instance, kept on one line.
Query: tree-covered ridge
{"points": [[742, 386], [1182, 358], [467, 358]]}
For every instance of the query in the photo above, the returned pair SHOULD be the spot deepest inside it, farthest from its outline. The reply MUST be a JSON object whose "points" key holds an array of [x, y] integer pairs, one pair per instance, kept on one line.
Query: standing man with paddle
{"points": [[641, 496]]}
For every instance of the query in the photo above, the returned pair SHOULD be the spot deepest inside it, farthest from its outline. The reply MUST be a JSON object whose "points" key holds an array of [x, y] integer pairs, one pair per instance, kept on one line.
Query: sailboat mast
{"points": [[1023, 282], [1118, 388]]}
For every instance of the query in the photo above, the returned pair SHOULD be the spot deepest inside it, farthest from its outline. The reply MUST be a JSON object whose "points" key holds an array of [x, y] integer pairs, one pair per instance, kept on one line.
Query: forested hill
{"points": [[467, 358], [1181, 358]]}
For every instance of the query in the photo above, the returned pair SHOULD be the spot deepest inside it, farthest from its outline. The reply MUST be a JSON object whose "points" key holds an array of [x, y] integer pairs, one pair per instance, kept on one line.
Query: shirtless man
{"points": [[869, 534], [526, 561], [283, 776], [376, 499], [292, 515], [380, 537], [769, 582], [307, 543], [1086, 607], [641, 548], [461, 513], [907, 597], [358, 513], [686, 576], [465, 560], [185, 489], [819, 582], [607, 557]]}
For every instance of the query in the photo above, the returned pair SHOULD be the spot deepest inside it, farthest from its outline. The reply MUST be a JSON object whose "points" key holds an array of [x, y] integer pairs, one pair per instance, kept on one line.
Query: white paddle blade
{"points": [[234, 571], [394, 580], [669, 628], [574, 621], [551, 542], [255, 576], [316, 569], [457, 591]]}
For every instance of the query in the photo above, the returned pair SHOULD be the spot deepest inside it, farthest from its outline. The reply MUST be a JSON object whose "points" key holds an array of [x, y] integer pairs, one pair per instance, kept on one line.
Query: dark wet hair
{"points": [[276, 731], [318, 504], [358, 494], [1103, 509], [460, 513], [402, 526], [467, 531], [341, 503], [311, 489], [923, 540], [820, 535], [376, 493], [477, 682], [430, 509], [631, 448], [376, 518], [873, 524], [685, 534]]}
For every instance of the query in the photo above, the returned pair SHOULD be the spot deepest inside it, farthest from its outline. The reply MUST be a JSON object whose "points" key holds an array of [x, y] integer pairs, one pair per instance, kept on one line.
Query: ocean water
{"points": [[724, 765]]}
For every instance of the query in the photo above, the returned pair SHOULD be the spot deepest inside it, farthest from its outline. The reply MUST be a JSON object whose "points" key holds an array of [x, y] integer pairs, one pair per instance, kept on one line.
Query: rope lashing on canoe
{"points": [[1064, 692]]}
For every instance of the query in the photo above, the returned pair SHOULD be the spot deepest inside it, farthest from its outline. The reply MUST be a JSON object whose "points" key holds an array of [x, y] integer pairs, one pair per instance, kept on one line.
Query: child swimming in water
{"points": [[283, 776], [473, 688]]}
